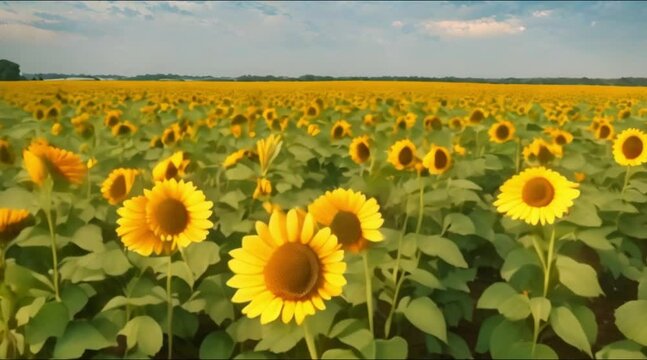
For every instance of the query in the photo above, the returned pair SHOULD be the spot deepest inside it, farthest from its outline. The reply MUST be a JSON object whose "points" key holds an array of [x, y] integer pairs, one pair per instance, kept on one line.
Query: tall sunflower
{"points": [[268, 149], [630, 148], [117, 186], [438, 160], [501, 132], [433, 122], [402, 154], [604, 130], [351, 217], [42, 160], [288, 269], [359, 149], [340, 129], [537, 195], [12, 221], [172, 214], [173, 167], [124, 128]]}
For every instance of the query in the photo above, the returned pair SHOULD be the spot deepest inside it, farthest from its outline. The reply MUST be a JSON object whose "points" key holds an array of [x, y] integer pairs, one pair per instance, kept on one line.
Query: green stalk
{"points": [[389, 319], [626, 182], [420, 203], [47, 208], [369, 291], [169, 308], [310, 341], [549, 261], [517, 159]]}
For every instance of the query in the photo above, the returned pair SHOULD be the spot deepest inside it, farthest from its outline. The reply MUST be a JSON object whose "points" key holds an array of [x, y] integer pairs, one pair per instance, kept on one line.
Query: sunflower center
{"points": [[402, 124], [118, 188], [560, 139], [440, 159], [604, 132], [477, 116], [170, 137], [405, 157], [172, 216], [171, 171], [538, 192], [5, 155], [293, 271], [123, 130], [632, 147], [346, 227], [502, 132], [544, 155], [338, 131], [363, 152], [436, 124]]}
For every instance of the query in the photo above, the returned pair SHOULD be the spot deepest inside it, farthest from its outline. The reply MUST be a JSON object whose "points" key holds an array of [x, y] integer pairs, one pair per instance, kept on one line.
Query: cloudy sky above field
{"points": [[480, 39]]}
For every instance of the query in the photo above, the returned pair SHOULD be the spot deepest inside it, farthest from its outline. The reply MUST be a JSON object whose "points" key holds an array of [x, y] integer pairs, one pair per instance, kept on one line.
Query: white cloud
{"points": [[593, 23], [24, 33], [397, 24], [484, 27], [542, 13]]}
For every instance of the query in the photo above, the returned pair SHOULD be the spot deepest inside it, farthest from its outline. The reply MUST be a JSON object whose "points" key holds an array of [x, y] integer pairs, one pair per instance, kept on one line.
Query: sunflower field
{"points": [[322, 220]]}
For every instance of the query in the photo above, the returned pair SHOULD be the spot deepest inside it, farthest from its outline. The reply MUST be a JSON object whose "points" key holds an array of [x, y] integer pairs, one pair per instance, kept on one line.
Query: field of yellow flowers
{"points": [[324, 220]]}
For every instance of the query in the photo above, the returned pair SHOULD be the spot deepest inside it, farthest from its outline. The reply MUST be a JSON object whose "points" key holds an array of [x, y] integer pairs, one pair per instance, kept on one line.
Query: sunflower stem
{"points": [[389, 319], [420, 203], [369, 291], [310, 341], [399, 254], [517, 159], [549, 261], [169, 307], [47, 208], [626, 182]]}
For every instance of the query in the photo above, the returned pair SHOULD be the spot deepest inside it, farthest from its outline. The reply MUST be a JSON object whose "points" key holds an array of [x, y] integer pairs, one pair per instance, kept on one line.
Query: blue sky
{"points": [[480, 39]]}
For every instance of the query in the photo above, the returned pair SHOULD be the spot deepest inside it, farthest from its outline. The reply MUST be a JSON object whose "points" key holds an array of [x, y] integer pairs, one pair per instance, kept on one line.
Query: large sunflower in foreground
{"points": [[117, 186], [537, 195], [402, 154], [171, 214], [351, 217], [41, 160], [11, 222], [630, 148], [288, 269]]}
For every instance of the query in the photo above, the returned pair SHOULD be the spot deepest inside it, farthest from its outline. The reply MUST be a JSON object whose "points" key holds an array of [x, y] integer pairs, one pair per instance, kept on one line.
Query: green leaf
{"points": [[506, 333], [218, 299], [517, 259], [485, 333], [495, 295], [596, 238], [393, 348], [567, 327], [240, 172], [425, 278], [200, 255], [119, 301], [233, 198], [51, 320], [523, 350], [540, 308], [29, 311], [74, 298], [623, 349], [633, 225], [579, 278], [217, 345], [442, 248], [279, 337], [79, 337], [458, 223], [584, 213], [423, 313], [338, 354], [89, 238], [145, 333], [458, 348], [586, 317], [642, 288], [517, 307], [631, 318]]}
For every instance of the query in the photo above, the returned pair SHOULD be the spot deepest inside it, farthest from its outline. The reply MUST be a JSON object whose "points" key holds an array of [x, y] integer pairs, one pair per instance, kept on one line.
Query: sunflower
{"points": [[351, 217], [433, 123], [124, 128], [112, 118], [359, 149], [7, 155], [267, 150], [456, 124], [537, 195], [269, 114], [604, 131], [171, 135], [156, 142], [624, 114], [370, 119], [340, 129], [39, 114], [42, 160], [501, 132], [172, 214], [540, 152], [313, 129], [263, 188], [438, 160], [12, 221], [117, 186], [288, 269], [630, 148], [477, 116], [57, 128], [172, 167], [402, 154], [233, 158], [560, 137]]}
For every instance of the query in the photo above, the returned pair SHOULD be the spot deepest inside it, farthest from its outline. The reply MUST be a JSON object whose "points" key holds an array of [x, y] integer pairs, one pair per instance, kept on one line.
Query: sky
{"points": [[463, 39]]}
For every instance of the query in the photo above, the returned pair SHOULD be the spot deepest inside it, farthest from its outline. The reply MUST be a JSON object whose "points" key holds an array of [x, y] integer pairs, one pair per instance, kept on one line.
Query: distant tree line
{"points": [[11, 71]]}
